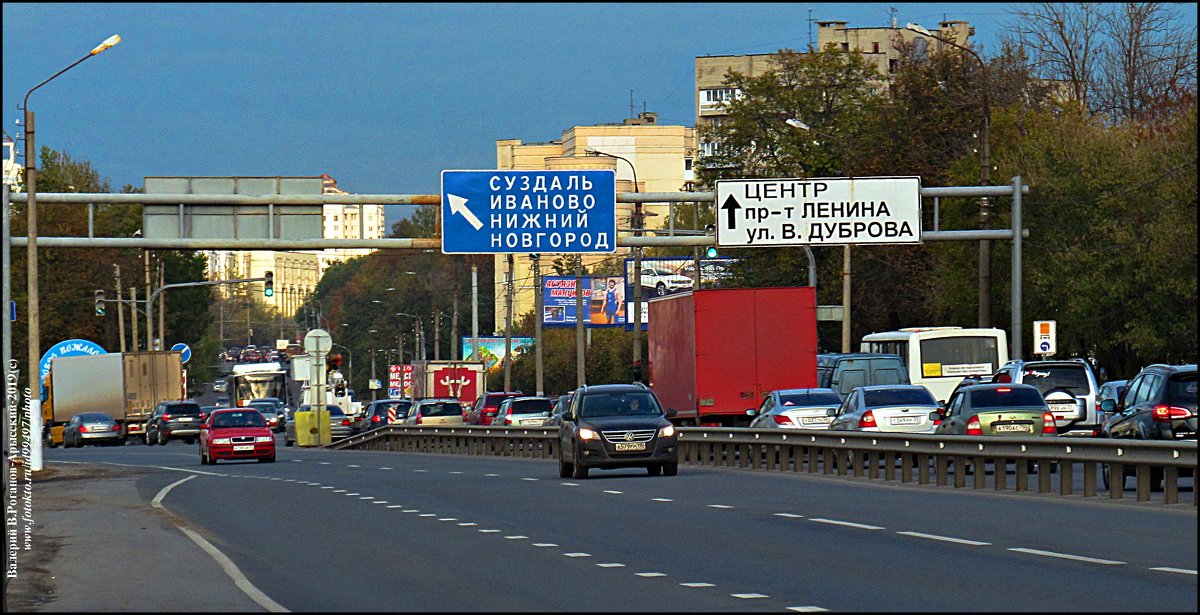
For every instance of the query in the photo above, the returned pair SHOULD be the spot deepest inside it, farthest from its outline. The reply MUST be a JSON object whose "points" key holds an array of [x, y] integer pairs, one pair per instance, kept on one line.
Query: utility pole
{"points": [[537, 324], [133, 315], [149, 325], [455, 343], [120, 310], [474, 310], [580, 378], [846, 298], [637, 294], [437, 335], [508, 315], [162, 307]]}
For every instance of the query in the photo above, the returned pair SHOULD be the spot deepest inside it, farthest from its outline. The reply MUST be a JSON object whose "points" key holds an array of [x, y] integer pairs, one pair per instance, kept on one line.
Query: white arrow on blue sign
{"points": [[185, 350], [526, 212]]}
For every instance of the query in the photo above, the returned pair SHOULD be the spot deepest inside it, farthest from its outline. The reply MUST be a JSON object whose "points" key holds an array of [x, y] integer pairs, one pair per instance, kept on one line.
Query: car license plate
{"points": [[1017, 427], [906, 420], [532, 421], [185, 419], [243, 447], [630, 446], [815, 420]]}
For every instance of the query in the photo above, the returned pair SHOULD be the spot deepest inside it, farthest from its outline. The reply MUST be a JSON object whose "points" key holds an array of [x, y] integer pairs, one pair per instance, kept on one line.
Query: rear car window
{"points": [[810, 399], [1046, 378], [184, 409], [898, 397], [1006, 397], [96, 416], [447, 408], [531, 406], [1182, 388]]}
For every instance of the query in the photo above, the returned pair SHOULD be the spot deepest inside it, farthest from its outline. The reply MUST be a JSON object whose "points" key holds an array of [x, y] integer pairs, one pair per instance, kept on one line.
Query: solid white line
{"points": [[1176, 570], [614, 492], [1078, 558], [661, 500], [516, 537], [544, 544], [748, 596], [719, 506], [697, 585], [611, 565], [396, 506], [489, 531], [468, 524], [577, 554], [961, 541], [650, 574], [569, 484], [848, 524], [789, 515], [226, 564], [806, 609], [448, 519]]}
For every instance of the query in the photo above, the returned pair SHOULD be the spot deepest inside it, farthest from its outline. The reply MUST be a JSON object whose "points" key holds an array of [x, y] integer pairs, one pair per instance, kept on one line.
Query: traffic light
{"points": [[711, 252], [269, 284], [99, 303]]}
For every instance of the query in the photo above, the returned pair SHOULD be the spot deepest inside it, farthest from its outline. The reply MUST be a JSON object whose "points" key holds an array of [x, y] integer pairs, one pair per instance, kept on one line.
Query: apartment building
{"points": [[653, 158]]}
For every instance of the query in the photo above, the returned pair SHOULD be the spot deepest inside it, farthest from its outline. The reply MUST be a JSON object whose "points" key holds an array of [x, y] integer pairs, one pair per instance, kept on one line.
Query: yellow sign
{"points": [[931, 370]]}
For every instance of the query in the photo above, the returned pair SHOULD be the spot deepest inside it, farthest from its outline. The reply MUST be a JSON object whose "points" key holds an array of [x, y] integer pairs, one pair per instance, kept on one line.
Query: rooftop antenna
{"points": [[631, 107], [892, 12], [810, 22]]}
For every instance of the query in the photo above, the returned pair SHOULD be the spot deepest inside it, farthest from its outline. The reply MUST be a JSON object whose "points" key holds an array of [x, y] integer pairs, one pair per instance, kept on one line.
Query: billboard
{"points": [[670, 275], [604, 301], [491, 349]]}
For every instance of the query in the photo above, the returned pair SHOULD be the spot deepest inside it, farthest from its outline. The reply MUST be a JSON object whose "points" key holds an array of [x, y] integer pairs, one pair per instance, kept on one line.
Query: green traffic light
{"points": [[711, 252], [270, 292]]}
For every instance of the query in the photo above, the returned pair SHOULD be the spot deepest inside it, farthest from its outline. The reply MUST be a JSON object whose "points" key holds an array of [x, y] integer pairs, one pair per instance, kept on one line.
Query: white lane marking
{"points": [[352, 466], [544, 544], [613, 492], [1176, 570], [330, 487], [296, 461], [491, 475], [528, 479], [650, 574], [661, 500], [340, 491], [1078, 558], [448, 519], [789, 515], [367, 497], [410, 510], [848, 524], [420, 470], [749, 596], [577, 554], [385, 468], [569, 484], [352, 493], [286, 480], [396, 506], [467, 524], [961, 541], [379, 502], [489, 531], [456, 472], [719, 506], [226, 564], [611, 565], [697, 585], [516, 537], [806, 609], [427, 515], [324, 463]]}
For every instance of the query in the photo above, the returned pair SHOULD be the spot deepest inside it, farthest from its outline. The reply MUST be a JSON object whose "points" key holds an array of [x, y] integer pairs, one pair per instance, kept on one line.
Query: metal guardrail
{"points": [[1044, 465]]}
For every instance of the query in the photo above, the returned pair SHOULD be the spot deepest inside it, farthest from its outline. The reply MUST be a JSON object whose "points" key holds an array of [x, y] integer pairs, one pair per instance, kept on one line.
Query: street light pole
{"points": [[985, 176], [31, 269], [637, 271]]}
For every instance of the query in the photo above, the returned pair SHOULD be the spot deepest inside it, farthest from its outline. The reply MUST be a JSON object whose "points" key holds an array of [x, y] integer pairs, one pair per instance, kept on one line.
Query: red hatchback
{"points": [[484, 410], [236, 433]]}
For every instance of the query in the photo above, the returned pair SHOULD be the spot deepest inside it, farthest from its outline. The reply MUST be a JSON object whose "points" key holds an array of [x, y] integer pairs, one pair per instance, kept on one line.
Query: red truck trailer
{"points": [[714, 354]]}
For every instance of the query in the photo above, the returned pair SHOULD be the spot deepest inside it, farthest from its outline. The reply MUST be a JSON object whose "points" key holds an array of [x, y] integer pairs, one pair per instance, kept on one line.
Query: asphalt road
{"points": [[346, 530]]}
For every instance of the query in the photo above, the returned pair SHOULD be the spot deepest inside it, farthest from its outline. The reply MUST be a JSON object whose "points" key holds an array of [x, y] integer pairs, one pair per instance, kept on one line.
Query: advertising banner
{"points": [[604, 301], [491, 349], [667, 276]]}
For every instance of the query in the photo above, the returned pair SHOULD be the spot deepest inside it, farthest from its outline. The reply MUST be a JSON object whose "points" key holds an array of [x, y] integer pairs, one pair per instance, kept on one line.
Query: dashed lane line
{"points": [[749, 596], [1078, 558], [1175, 570], [697, 585], [848, 524], [961, 541]]}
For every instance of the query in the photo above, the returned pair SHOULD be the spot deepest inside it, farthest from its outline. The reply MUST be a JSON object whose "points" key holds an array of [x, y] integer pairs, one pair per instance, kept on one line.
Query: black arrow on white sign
{"points": [[732, 206]]}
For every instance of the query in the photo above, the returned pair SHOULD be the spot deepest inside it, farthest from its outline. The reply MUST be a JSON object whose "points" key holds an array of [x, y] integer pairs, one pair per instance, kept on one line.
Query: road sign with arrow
{"points": [[818, 211], [527, 212]]}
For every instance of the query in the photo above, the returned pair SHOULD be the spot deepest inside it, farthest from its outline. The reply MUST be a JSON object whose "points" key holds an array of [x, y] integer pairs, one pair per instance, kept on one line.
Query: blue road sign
{"points": [[1044, 347], [526, 212], [68, 348], [186, 352]]}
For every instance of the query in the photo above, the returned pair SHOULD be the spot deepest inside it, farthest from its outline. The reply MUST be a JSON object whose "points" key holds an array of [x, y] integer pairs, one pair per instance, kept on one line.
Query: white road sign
{"points": [[1045, 336], [818, 211]]}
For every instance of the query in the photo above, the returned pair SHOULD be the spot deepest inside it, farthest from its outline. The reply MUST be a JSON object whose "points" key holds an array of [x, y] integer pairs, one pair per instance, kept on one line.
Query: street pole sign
{"points": [[526, 212], [818, 211], [184, 350], [1045, 337]]}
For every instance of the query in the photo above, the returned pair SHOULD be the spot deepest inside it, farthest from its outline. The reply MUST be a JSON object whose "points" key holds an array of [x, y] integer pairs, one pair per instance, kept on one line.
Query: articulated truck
{"points": [[125, 385]]}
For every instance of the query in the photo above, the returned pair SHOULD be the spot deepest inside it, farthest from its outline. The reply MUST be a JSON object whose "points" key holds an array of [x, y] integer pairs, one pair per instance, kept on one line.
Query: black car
{"points": [[376, 414], [616, 426], [1160, 404], [174, 420]]}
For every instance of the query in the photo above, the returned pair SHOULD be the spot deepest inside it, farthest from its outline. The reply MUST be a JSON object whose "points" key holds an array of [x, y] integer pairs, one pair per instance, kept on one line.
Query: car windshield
{"points": [[264, 408], [1182, 389], [619, 404], [1049, 377], [249, 418], [441, 408], [898, 397], [808, 399], [531, 406], [1006, 397]]}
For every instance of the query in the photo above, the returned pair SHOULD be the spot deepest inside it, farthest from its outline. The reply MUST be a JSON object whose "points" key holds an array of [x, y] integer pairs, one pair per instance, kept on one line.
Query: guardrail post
{"points": [[872, 458], [1043, 470], [1143, 483], [905, 468], [1089, 479], [939, 462], [1066, 479], [1000, 473], [1022, 467], [813, 459], [980, 472], [841, 459], [922, 469], [960, 471], [1171, 485], [1116, 481], [889, 466]]}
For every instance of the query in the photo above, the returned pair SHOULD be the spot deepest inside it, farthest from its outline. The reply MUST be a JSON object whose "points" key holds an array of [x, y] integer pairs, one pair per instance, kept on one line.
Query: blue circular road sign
{"points": [[183, 348]]}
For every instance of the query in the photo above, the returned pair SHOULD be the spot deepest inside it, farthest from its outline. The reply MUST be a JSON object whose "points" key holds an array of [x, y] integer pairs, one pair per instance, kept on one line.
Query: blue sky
{"points": [[383, 97]]}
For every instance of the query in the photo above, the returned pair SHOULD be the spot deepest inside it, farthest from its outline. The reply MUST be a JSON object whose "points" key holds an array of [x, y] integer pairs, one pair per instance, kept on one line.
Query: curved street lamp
{"points": [[985, 175], [35, 412]]}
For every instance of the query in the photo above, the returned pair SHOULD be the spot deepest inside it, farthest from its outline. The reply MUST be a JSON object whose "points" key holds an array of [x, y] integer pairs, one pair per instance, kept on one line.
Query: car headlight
{"points": [[666, 432], [264, 439], [587, 434], [221, 441]]}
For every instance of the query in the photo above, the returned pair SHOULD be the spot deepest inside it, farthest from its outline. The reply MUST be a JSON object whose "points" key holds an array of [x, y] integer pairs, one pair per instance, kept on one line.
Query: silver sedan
{"points": [[895, 408], [796, 409]]}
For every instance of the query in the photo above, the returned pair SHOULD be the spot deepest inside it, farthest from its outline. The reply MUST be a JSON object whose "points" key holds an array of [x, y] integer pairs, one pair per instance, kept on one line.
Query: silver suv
{"points": [[1069, 387]]}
